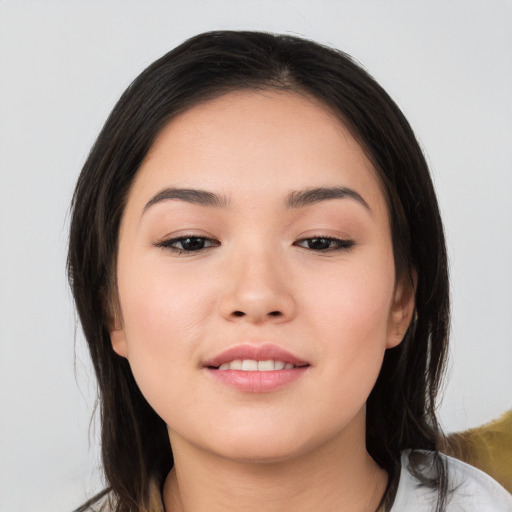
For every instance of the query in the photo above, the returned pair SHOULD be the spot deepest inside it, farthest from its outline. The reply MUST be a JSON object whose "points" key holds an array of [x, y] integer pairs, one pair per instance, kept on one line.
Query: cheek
{"points": [[350, 315], [164, 318], [159, 305], [355, 299]]}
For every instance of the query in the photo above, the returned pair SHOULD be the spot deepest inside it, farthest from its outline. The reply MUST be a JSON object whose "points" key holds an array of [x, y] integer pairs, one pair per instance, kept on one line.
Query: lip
{"points": [[256, 381], [257, 352]]}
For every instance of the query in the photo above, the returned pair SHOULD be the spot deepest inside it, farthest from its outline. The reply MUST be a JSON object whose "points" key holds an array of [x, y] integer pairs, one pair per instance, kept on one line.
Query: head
{"points": [[204, 70]]}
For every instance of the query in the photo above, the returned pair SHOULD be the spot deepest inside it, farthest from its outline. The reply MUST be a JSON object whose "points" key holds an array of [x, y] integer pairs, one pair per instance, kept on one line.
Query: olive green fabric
{"points": [[488, 448]]}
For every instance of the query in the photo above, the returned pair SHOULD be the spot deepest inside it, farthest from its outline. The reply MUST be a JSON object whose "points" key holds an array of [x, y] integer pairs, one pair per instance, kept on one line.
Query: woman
{"points": [[258, 262]]}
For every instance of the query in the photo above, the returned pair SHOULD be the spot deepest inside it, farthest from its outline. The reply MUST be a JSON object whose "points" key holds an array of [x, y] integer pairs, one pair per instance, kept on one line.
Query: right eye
{"points": [[325, 244], [187, 244]]}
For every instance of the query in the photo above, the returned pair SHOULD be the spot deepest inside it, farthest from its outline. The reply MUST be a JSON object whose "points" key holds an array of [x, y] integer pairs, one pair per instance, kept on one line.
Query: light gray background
{"points": [[63, 65]]}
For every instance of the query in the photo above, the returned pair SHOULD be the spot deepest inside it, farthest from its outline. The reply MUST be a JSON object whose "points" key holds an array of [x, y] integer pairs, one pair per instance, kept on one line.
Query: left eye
{"points": [[188, 243], [322, 243]]}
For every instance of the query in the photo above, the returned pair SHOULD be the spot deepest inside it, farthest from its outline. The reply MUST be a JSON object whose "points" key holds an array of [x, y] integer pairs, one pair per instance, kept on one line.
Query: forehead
{"points": [[252, 142]]}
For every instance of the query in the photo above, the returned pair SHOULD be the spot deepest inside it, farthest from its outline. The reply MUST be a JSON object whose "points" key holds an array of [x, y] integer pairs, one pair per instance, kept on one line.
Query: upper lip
{"points": [[263, 352]]}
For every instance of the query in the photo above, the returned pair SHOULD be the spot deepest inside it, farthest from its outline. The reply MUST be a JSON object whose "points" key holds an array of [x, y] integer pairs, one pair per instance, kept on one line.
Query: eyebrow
{"points": [[200, 197], [296, 199], [301, 198]]}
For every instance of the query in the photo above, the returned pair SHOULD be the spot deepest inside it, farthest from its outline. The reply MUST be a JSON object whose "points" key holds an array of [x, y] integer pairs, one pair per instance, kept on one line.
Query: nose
{"points": [[257, 290]]}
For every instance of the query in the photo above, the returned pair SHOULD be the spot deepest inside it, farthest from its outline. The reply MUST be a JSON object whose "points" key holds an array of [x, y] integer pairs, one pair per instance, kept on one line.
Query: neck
{"points": [[337, 476]]}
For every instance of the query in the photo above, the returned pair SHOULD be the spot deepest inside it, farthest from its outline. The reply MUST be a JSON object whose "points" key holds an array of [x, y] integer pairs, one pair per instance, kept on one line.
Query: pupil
{"points": [[319, 243], [193, 244]]}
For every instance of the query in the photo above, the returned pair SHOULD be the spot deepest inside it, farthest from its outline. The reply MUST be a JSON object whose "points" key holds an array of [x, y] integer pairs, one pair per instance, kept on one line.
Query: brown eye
{"points": [[192, 243], [325, 244], [319, 244], [184, 244]]}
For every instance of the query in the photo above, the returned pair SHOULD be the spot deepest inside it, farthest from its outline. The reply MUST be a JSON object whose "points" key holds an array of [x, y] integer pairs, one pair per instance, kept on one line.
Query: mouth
{"points": [[256, 368], [251, 358], [253, 365]]}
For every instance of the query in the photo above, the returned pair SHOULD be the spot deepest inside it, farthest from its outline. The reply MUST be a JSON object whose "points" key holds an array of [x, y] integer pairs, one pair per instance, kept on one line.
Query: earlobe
{"points": [[118, 338], [402, 310]]}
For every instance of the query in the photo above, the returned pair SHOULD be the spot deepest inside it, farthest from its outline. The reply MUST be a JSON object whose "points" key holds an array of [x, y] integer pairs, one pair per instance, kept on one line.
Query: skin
{"points": [[301, 447]]}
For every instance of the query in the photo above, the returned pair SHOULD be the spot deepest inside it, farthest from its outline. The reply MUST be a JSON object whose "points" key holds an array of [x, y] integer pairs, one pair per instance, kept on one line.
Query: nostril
{"points": [[241, 313]]}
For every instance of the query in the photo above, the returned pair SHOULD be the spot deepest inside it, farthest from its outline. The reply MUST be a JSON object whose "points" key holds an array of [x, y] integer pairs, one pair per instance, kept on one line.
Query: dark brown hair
{"points": [[401, 407]]}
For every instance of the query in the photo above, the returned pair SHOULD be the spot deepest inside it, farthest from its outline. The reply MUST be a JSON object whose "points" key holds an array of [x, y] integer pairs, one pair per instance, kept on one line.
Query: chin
{"points": [[262, 452], [266, 444], [266, 435]]}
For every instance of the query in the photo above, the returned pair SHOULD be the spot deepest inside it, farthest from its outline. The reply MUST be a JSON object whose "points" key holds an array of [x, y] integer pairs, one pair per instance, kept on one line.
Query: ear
{"points": [[402, 309], [117, 337]]}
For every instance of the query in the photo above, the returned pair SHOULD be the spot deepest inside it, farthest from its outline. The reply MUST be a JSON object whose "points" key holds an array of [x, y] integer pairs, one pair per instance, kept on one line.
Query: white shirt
{"points": [[470, 490]]}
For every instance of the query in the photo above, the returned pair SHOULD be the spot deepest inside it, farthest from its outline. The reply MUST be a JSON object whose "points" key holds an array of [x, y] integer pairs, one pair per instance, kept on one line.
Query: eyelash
{"points": [[170, 244], [334, 244]]}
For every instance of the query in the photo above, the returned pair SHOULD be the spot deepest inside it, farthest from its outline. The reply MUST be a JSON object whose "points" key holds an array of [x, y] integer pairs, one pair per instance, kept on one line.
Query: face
{"points": [[256, 281]]}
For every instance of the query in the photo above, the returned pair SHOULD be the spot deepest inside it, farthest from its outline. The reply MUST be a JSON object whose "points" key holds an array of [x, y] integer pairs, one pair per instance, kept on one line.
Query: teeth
{"points": [[266, 366], [235, 365], [250, 365]]}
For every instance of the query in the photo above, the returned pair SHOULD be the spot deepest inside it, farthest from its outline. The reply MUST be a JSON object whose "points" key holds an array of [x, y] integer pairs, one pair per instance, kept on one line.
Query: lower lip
{"points": [[258, 382]]}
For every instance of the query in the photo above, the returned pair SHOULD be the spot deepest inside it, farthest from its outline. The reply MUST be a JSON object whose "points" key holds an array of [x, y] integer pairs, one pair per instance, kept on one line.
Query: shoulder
{"points": [[474, 489], [469, 489]]}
